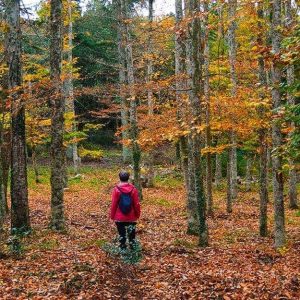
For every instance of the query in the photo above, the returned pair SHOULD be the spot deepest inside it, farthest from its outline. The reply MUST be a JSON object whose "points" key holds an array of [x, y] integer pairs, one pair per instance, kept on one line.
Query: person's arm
{"points": [[136, 203], [114, 203]]}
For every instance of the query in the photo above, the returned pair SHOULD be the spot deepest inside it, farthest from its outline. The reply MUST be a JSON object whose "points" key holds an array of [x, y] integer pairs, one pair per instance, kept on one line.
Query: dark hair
{"points": [[124, 176]]}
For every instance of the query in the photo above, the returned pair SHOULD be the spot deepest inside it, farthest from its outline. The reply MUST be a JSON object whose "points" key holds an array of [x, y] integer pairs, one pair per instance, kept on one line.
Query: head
{"points": [[124, 176]]}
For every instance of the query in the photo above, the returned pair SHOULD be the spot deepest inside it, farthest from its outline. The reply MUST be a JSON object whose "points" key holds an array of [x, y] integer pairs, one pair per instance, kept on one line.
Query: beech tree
{"points": [[263, 132], [19, 191], [136, 151], [57, 101], [208, 135], [232, 164], [68, 85], [195, 81], [276, 72], [290, 76], [121, 35]]}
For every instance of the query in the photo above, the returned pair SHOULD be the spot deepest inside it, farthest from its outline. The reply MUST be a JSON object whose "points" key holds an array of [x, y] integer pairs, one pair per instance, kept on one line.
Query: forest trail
{"points": [[237, 264]]}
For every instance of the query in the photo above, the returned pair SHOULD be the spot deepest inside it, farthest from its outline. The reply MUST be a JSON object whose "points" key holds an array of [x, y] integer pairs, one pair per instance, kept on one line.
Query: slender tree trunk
{"points": [[126, 153], [290, 76], [195, 101], [248, 173], [263, 158], [19, 190], [150, 92], [207, 113], [218, 170], [150, 60], [230, 173], [229, 189], [58, 167], [69, 90], [186, 163], [233, 77], [3, 175], [279, 218], [263, 185], [2, 190], [136, 151], [6, 159], [35, 166]]}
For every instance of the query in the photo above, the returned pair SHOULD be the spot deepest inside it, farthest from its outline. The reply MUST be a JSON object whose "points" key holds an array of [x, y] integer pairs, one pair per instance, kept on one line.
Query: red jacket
{"points": [[115, 212]]}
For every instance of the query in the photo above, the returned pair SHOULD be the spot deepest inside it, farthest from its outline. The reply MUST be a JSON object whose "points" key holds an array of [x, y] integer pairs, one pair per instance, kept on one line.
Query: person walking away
{"points": [[125, 210]]}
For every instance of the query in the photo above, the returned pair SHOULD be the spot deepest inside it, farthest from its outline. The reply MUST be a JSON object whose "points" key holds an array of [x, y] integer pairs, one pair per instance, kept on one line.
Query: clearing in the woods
{"points": [[238, 264]]}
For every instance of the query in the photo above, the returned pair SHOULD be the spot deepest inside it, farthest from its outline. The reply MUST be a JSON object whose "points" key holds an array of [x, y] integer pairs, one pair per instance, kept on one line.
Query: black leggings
{"points": [[122, 228]]}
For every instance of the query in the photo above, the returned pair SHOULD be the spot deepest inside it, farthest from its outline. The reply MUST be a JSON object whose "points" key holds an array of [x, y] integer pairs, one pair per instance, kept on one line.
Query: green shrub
{"points": [[89, 155]]}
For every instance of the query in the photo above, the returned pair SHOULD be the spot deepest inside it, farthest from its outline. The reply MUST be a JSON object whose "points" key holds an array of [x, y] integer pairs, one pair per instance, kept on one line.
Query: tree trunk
{"points": [[207, 113], [191, 206], [290, 77], [69, 90], [2, 190], [263, 185], [276, 128], [194, 56], [35, 166], [19, 189], [150, 60], [229, 189], [233, 78], [150, 92], [126, 153], [136, 151], [248, 173], [57, 152], [263, 158], [218, 171], [6, 159]]}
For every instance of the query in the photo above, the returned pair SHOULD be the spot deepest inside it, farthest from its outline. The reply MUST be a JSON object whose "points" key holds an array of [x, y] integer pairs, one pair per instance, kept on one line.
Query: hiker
{"points": [[125, 209]]}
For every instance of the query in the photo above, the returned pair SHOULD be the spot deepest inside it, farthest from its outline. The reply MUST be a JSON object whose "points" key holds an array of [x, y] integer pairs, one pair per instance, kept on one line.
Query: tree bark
{"points": [[233, 77], [2, 188], [136, 151], [229, 189], [290, 77], [194, 56], [279, 217], [57, 152], [19, 190], [126, 153], [35, 166], [207, 113], [191, 206], [248, 173], [69, 89], [263, 132], [150, 92], [218, 171]]}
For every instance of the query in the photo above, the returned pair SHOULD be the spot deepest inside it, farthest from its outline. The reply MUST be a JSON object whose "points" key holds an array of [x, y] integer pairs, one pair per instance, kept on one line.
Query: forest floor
{"points": [[238, 264]]}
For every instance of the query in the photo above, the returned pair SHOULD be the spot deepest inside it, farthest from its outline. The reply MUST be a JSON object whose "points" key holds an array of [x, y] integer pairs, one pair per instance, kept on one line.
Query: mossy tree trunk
{"points": [[19, 190], [195, 57], [57, 153], [279, 216], [290, 77], [263, 134]]}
